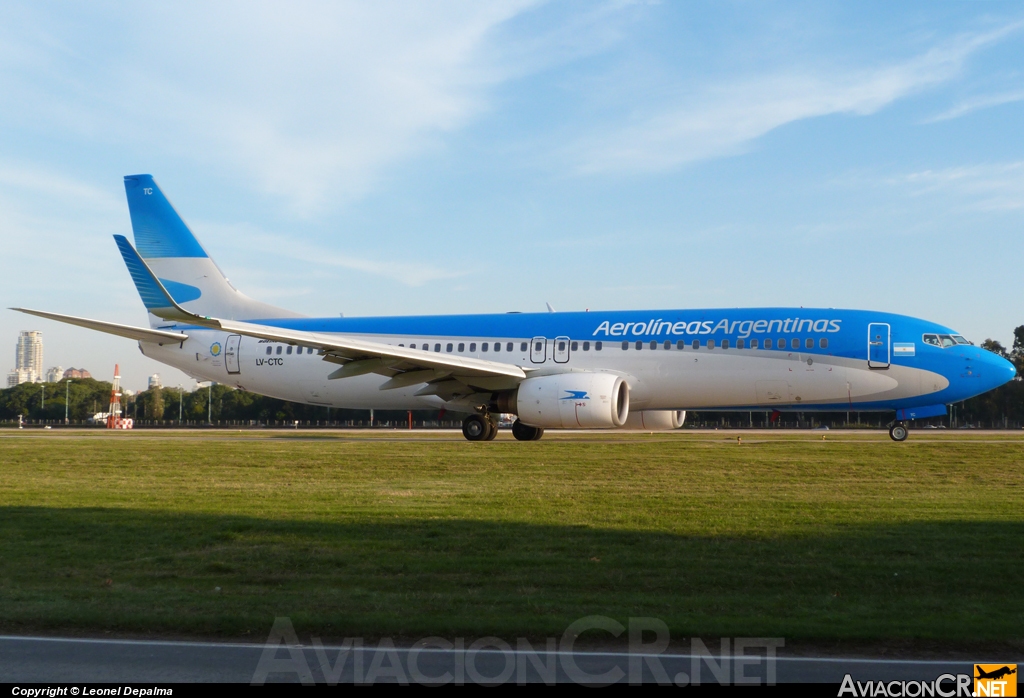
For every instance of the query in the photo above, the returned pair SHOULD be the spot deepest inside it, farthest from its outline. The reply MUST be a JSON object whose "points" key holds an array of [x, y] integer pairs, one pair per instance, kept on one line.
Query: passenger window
{"points": [[668, 344], [539, 346], [598, 345], [932, 339], [654, 344], [586, 346], [462, 347], [808, 343], [472, 347], [639, 345], [740, 344], [680, 344], [437, 347], [695, 344], [572, 347], [289, 350], [483, 347], [279, 349], [449, 347], [768, 343], [625, 344], [753, 344], [794, 343], [711, 344], [270, 349], [725, 343], [561, 346], [823, 343], [946, 340]]}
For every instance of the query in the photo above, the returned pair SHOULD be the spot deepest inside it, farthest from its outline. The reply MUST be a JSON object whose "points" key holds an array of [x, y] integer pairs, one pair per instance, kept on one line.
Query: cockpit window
{"points": [[960, 340], [932, 339], [947, 341]]}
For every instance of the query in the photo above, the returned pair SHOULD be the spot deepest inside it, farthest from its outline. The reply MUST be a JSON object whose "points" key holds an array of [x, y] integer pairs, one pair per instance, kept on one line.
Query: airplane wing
{"points": [[405, 366], [144, 334]]}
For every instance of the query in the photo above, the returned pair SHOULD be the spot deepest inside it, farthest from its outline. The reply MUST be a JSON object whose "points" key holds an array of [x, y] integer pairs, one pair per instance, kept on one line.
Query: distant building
{"points": [[29, 355], [55, 374], [18, 376], [154, 381], [76, 373]]}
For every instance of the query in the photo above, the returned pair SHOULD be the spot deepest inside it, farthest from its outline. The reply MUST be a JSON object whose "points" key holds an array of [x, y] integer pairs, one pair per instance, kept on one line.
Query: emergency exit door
{"points": [[539, 350]]}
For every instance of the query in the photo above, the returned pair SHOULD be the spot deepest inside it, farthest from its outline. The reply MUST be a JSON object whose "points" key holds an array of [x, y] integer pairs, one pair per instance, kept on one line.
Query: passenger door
{"points": [[538, 350], [878, 345]]}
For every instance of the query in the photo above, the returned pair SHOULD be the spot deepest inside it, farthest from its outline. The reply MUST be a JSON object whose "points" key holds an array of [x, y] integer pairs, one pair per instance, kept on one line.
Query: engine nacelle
{"points": [[655, 420], [573, 400]]}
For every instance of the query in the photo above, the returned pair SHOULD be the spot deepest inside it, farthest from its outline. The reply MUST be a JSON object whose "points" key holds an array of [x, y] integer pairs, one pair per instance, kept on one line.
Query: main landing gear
{"points": [[898, 431], [484, 427], [523, 432], [480, 427]]}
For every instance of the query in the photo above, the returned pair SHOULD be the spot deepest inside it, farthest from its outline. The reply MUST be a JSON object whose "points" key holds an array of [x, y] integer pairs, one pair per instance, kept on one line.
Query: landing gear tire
{"points": [[898, 432], [522, 432], [476, 427], [492, 425]]}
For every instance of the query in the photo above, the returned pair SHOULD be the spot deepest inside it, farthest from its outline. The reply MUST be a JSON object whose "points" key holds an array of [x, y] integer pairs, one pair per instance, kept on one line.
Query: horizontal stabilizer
{"points": [[154, 295], [143, 334]]}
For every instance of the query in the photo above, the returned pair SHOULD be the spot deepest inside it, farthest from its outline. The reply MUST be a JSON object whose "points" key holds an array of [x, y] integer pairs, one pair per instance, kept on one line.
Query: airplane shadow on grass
{"points": [[131, 570]]}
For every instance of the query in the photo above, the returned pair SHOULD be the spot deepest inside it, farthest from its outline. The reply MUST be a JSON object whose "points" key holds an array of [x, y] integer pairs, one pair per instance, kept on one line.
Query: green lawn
{"points": [[351, 533]]}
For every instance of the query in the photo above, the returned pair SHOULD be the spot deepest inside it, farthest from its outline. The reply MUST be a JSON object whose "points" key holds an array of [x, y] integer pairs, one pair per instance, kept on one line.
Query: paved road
{"points": [[61, 660]]}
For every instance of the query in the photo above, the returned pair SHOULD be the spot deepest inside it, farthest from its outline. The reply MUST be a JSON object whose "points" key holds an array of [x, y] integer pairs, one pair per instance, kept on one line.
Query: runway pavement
{"points": [[74, 660]]}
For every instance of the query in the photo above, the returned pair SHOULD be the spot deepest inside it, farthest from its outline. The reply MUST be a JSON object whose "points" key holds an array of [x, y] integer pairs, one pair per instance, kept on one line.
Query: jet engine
{"points": [[572, 400], [655, 420]]}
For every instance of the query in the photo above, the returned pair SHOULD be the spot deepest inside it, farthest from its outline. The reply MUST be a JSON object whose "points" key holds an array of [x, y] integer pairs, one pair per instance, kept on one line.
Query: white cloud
{"points": [[402, 266], [975, 103], [986, 187], [713, 121], [308, 101]]}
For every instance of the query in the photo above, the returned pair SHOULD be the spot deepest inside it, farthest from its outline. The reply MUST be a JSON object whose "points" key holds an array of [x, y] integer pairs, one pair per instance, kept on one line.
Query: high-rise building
{"points": [[154, 381], [54, 374], [29, 356]]}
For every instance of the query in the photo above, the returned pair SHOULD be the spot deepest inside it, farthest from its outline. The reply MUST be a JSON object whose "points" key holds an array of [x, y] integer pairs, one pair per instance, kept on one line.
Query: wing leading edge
{"points": [[143, 334]]}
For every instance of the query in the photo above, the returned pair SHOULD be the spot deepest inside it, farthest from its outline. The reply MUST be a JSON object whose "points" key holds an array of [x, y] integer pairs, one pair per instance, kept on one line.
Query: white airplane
{"points": [[608, 369]]}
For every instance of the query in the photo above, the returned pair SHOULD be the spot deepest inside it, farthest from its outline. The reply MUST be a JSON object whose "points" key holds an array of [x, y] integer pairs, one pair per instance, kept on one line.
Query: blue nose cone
{"points": [[998, 370]]}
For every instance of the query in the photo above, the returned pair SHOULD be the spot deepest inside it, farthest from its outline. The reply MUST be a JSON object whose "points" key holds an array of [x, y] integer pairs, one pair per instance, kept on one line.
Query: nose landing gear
{"points": [[898, 431]]}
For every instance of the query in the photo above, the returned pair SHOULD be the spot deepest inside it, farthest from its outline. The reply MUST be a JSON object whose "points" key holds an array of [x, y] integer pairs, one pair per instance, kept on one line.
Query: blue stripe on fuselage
{"points": [[845, 330]]}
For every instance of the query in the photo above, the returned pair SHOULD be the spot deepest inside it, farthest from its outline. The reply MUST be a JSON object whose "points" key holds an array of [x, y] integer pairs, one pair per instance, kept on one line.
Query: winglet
{"points": [[154, 296]]}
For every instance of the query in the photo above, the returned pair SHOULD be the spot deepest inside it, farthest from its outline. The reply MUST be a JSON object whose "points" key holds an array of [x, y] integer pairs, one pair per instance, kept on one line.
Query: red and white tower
{"points": [[114, 420]]}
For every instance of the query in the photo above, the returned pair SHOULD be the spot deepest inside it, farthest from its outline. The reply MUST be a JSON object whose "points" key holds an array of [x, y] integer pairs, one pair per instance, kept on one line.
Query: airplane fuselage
{"points": [[760, 358]]}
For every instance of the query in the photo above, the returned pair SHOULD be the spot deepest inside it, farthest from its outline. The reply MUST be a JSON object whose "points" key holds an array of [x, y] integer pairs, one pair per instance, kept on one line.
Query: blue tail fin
{"points": [[173, 254], [159, 230]]}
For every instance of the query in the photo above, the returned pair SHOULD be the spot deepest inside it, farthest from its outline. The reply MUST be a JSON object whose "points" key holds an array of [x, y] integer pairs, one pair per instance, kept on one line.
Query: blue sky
{"points": [[391, 158]]}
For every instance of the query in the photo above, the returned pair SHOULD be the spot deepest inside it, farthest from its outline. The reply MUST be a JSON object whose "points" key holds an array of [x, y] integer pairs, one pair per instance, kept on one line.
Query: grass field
{"points": [[389, 533]]}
